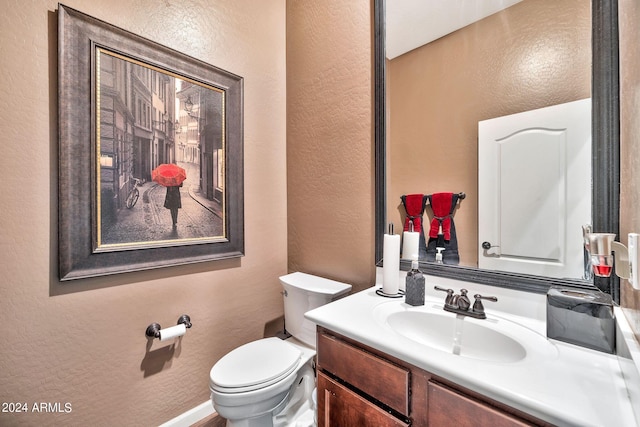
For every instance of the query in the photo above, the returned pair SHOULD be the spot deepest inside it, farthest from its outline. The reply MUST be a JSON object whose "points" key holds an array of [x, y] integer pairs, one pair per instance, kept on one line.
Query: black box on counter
{"points": [[581, 316]]}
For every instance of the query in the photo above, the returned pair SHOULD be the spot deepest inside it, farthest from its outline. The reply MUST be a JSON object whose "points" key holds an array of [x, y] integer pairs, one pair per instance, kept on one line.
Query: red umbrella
{"points": [[168, 175]]}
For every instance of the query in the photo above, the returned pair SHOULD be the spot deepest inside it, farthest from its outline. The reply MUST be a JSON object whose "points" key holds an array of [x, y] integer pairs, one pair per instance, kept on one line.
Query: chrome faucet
{"points": [[460, 304]]}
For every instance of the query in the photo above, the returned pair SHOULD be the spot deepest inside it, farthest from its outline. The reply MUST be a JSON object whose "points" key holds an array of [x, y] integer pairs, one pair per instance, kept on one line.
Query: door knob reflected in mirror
{"points": [[486, 246]]}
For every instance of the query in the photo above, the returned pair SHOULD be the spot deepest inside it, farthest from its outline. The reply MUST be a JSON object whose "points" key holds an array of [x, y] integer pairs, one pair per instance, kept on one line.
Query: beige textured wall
{"points": [[330, 139], [438, 97], [629, 12], [83, 342]]}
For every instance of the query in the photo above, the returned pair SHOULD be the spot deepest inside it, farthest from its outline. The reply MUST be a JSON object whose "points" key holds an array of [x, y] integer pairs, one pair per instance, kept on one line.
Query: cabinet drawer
{"points": [[339, 406], [376, 377], [448, 407]]}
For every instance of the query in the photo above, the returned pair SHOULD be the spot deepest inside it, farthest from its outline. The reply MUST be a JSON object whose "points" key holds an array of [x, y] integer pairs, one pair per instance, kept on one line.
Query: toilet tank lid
{"points": [[309, 282]]}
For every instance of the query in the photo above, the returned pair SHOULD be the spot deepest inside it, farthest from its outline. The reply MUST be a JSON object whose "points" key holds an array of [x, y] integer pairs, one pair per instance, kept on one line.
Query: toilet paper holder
{"points": [[154, 330]]}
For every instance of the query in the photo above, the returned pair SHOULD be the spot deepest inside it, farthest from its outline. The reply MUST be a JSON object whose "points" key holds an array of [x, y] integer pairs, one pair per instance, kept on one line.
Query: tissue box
{"points": [[581, 317]]}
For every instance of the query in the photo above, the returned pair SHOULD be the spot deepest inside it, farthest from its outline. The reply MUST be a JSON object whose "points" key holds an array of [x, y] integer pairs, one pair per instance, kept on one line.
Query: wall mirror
{"points": [[600, 84]]}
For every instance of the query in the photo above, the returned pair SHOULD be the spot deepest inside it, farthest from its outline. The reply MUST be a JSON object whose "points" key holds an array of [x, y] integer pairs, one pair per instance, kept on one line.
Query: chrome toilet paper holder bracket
{"points": [[153, 330]]}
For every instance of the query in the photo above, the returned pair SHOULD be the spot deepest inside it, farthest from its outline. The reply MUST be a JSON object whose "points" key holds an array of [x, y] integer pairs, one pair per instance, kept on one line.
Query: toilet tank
{"points": [[304, 292]]}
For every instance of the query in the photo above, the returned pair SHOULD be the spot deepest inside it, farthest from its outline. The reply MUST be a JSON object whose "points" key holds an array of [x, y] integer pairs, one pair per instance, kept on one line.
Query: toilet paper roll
{"points": [[410, 242], [172, 332], [391, 264]]}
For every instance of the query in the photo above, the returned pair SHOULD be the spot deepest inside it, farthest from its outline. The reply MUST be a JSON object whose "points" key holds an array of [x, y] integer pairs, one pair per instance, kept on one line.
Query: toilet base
{"points": [[300, 409], [297, 409]]}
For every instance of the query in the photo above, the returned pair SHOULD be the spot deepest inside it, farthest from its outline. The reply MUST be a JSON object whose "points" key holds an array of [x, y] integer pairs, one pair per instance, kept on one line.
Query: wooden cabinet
{"points": [[359, 386]]}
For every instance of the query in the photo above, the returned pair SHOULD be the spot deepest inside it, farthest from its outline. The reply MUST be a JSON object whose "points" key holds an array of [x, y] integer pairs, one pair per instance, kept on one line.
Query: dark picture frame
{"points": [[126, 105]]}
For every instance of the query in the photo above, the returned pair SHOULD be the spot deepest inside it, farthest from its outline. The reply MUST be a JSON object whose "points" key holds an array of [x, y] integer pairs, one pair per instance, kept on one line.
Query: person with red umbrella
{"points": [[171, 176]]}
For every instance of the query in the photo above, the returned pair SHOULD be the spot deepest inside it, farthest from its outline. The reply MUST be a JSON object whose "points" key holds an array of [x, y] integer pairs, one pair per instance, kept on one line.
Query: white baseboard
{"points": [[191, 416]]}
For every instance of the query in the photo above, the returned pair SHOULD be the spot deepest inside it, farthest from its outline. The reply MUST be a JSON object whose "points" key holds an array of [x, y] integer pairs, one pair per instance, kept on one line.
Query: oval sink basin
{"points": [[454, 334], [492, 339]]}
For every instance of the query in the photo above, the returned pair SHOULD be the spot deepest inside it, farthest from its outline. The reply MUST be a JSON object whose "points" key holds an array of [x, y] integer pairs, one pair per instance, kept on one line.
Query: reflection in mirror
{"points": [[531, 55], [534, 191]]}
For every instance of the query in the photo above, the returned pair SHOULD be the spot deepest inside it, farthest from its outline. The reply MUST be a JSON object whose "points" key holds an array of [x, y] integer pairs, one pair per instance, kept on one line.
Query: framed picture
{"points": [[150, 153]]}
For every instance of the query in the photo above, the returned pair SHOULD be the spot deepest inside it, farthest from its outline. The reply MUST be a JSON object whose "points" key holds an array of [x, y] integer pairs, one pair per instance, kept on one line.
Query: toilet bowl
{"points": [[270, 382]]}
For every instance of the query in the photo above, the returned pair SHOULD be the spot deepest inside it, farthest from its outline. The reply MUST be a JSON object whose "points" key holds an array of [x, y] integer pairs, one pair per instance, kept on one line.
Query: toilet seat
{"points": [[254, 365]]}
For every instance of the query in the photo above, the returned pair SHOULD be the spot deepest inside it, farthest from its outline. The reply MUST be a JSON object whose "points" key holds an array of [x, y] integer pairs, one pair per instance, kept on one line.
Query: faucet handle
{"points": [[448, 301], [477, 305]]}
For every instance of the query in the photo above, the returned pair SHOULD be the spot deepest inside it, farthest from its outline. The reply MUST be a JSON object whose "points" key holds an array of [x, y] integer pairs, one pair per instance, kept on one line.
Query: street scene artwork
{"points": [[150, 153], [160, 157]]}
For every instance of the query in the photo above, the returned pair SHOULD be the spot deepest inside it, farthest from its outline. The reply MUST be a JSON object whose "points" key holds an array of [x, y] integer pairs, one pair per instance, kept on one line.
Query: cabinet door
{"points": [[449, 408], [341, 407]]}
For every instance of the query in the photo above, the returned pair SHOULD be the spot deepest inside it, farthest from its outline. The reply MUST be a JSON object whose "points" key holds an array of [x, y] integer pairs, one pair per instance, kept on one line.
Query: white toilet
{"points": [[270, 382]]}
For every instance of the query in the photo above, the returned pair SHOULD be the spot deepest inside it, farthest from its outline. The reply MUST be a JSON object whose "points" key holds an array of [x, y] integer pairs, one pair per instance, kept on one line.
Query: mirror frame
{"points": [[605, 159]]}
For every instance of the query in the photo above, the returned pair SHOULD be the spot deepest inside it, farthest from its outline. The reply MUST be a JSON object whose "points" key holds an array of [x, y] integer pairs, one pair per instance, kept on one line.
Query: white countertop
{"points": [[567, 385]]}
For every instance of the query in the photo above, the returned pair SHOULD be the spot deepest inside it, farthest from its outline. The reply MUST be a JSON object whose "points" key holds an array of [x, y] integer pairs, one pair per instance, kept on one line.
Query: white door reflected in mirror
{"points": [[534, 190]]}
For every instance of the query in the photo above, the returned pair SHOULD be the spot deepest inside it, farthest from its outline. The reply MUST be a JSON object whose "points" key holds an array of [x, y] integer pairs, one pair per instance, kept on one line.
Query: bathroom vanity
{"points": [[358, 385], [382, 362]]}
